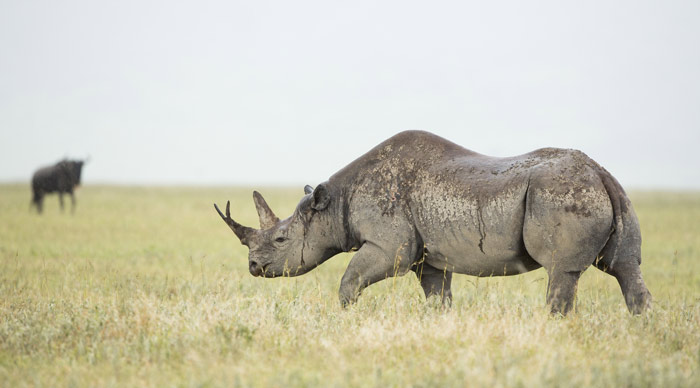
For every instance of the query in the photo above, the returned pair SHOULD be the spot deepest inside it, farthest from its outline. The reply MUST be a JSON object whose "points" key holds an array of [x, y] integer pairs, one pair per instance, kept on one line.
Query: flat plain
{"points": [[146, 286]]}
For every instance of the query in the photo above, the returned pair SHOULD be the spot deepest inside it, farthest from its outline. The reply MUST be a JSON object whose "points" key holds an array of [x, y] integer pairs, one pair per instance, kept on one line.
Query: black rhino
{"points": [[419, 202]]}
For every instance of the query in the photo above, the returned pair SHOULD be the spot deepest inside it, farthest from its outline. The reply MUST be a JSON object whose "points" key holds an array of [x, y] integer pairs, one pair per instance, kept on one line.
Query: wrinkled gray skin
{"points": [[419, 202]]}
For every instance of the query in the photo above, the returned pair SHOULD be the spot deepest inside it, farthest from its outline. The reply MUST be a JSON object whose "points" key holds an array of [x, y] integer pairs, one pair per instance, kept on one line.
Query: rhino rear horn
{"points": [[242, 232], [268, 219]]}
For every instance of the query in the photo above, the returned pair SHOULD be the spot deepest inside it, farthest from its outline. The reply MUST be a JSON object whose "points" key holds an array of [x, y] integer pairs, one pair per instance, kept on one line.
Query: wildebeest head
{"points": [[72, 168], [292, 246]]}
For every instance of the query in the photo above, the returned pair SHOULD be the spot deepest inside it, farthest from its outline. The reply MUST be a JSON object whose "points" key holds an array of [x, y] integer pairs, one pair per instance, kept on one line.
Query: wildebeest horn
{"points": [[268, 218], [241, 231]]}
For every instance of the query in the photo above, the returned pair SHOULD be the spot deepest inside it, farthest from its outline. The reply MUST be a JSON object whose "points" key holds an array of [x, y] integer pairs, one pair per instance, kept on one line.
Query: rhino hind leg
{"points": [[565, 253], [563, 236], [561, 290], [624, 264], [629, 276], [435, 282]]}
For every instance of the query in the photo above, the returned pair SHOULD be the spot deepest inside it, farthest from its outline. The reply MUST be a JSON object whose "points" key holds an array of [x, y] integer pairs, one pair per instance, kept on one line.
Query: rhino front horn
{"points": [[242, 232], [268, 219]]}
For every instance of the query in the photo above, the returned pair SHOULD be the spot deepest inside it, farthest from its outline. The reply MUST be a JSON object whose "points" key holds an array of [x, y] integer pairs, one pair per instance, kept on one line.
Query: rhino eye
{"points": [[280, 239]]}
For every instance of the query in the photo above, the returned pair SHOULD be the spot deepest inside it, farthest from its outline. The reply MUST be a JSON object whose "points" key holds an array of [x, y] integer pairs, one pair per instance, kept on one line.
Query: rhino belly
{"points": [[469, 254], [482, 265], [479, 234]]}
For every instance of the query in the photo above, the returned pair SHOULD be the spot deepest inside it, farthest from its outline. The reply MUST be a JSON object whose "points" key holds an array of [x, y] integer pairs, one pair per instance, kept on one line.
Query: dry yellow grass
{"points": [[147, 287]]}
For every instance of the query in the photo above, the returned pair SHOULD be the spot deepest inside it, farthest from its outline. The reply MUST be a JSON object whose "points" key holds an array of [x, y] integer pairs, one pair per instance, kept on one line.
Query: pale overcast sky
{"points": [[288, 92]]}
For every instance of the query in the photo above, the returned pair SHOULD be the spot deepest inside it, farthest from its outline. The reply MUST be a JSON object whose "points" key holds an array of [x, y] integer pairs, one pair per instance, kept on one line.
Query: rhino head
{"points": [[292, 246]]}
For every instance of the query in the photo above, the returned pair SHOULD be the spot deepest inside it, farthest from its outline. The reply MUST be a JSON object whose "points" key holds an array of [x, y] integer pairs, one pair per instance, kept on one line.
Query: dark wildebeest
{"points": [[62, 177], [419, 202]]}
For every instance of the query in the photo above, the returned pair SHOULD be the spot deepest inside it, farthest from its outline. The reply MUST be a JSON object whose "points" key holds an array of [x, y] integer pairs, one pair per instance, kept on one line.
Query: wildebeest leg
{"points": [[435, 282], [561, 290], [60, 200], [369, 265], [39, 202], [72, 202]]}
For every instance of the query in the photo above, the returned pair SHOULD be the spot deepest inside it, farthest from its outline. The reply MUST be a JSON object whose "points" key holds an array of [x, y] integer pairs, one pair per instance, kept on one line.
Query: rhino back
{"points": [[466, 209], [424, 189]]}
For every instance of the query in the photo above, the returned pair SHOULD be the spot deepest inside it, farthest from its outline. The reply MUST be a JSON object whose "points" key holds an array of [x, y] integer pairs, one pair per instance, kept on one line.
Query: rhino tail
{"points": [[618, 198]]}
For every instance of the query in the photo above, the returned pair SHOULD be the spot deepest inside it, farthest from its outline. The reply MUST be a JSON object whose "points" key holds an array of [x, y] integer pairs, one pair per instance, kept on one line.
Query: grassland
{"points": [[147, 287]]}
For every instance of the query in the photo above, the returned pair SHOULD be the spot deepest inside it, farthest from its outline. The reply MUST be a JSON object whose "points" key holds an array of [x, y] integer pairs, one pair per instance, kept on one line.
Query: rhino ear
{"points": [[268, 219], [308, 189], [321, 197]]}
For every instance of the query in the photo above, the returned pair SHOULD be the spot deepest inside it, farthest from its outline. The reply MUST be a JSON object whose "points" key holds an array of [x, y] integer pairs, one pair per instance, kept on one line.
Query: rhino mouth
{"points": [[258, 269]]}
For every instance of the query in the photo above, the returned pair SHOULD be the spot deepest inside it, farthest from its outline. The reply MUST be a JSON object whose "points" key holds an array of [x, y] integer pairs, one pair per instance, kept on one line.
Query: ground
{"points": [[148, 287]]}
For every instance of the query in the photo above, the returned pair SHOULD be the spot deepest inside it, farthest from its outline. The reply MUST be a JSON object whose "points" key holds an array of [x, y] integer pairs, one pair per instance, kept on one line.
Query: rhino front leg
{"points": [[435, 282], [369, 265]]}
